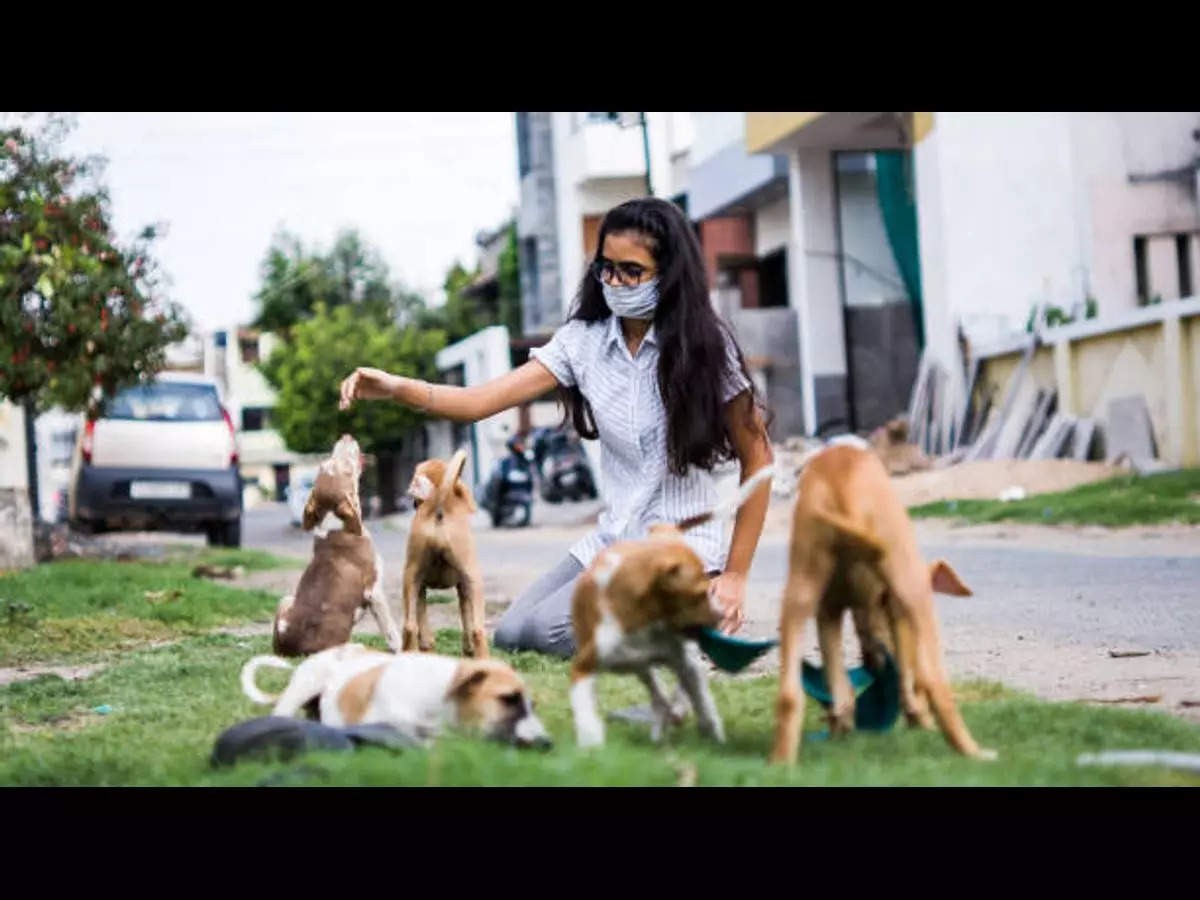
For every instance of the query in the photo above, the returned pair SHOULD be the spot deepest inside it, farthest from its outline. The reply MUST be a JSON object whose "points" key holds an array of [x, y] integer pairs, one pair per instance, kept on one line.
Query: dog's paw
{"points": [[713, 730], [985, 755], [841, 721]]}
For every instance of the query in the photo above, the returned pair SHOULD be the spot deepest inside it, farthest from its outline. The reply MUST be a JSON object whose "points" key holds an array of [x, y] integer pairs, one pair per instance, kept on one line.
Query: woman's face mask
{"points": [[637, 302]]}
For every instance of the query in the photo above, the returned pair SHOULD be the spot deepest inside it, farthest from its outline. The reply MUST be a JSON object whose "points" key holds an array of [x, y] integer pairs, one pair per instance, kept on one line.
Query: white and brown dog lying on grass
{"points": [[639, 605], [441, 554], [419, 694], [344, 577]]}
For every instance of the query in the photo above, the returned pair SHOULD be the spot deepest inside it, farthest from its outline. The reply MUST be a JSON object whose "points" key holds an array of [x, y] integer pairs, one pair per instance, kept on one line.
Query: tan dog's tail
{"points": [[453, 471], [249, 688], [766, 473]]}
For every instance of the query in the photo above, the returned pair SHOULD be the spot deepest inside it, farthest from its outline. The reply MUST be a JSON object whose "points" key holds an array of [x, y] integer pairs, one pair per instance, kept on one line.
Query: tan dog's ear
{"points": [[312, 516], [351, 521], [946, 581], [420, 488], [466, 679], [663, 530], [462, 491]]}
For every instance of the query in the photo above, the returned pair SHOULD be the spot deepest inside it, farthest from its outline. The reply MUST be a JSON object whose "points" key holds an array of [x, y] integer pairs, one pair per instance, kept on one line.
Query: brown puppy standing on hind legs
{"points": [[344, 578], [441, 554], [847, 517]]}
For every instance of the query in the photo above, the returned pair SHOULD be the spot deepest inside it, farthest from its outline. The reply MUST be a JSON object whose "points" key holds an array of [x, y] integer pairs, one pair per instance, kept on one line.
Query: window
{"points": [[1184, 261], [524, 161], [772, 279], [1141, 272], [249, 348], [219, 339], [166, 401], [256, 418]]}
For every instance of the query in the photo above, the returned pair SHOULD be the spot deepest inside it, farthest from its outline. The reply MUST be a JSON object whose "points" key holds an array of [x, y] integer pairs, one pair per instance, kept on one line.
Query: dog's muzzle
{"points": [[529, 733]]}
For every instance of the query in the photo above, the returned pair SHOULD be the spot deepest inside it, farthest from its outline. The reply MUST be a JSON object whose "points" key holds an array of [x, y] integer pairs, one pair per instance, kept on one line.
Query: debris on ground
{"points": [[229, 573], [1188, 762], [1141, 698]]}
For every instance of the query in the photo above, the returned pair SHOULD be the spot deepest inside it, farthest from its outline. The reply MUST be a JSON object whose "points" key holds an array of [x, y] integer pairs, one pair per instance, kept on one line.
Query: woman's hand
{"points": [[730, 590], [368, 384]]}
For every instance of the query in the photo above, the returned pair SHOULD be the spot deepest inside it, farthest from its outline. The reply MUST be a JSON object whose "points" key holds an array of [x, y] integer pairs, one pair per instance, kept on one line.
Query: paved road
{"points": [[1048, 606]]}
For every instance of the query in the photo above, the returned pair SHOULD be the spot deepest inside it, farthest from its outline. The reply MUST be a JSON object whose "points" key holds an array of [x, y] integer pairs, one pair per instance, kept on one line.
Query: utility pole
{"points": [[646, 153], [622, 120]]}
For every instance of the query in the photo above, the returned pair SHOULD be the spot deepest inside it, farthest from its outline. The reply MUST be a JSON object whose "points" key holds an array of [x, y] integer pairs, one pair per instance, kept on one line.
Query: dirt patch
{"points": [[985, 479], [76, 720], [67, 673]]}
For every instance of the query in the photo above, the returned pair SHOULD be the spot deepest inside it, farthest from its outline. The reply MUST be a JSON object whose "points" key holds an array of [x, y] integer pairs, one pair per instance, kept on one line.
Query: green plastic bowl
{"points": [[877, 695]]}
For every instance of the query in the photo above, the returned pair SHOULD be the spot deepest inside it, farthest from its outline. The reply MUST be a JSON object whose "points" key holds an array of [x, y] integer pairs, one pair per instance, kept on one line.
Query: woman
{"points": [[645, 365]]}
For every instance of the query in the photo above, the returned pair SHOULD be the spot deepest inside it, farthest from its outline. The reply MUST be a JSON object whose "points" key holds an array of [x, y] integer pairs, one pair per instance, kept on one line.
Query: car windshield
{"points": [[166, 401]]}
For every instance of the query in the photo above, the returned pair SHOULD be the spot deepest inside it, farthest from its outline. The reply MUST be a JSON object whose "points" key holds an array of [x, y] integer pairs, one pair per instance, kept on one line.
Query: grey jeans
{"points": [[540, 619]]}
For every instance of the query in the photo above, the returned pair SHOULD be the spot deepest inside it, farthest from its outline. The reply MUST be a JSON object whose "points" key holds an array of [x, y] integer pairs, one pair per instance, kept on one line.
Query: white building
{"points": [[1014, 211], [230, 356]]}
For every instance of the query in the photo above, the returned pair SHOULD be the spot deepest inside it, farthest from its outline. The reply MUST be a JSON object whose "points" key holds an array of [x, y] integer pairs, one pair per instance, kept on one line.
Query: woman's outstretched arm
{"points": [[445, 401]]}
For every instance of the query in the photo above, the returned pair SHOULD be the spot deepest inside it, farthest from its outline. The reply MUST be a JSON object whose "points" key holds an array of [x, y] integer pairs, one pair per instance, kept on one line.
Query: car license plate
{"points": [[160, 490]]}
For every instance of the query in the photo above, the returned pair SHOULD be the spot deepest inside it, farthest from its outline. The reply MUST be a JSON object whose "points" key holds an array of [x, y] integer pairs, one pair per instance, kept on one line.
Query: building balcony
{"points": [[732, 182], [601, 150]]}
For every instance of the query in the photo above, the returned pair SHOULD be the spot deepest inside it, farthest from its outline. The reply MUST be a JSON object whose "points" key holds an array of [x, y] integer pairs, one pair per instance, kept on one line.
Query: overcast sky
{"points": [[418, 186]]}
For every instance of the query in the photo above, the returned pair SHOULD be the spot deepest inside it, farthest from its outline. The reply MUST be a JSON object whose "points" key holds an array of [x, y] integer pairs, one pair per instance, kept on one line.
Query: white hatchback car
{"points": [[163, 456]]}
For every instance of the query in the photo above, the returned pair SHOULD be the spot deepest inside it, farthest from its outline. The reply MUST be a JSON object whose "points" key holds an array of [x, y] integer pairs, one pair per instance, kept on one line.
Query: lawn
{"points": [[151, 712], [1127, 500], [76, 610]]}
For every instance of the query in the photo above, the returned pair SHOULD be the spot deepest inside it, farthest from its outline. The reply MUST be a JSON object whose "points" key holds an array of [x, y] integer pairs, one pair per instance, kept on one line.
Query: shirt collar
{"points": [[613, 336]]}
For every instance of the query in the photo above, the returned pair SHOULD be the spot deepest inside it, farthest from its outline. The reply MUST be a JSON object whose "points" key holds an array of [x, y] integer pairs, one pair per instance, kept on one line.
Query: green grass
{"points": [[169, 704], [1126, 500], [72, 610]]}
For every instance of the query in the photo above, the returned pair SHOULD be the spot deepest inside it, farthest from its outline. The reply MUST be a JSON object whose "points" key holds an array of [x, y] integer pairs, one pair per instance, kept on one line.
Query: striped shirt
{"points": [[635, 481]]}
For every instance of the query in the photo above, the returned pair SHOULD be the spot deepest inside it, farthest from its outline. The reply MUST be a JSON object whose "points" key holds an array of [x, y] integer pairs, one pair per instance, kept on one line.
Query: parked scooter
{"points": [[561, 466], [508, 495]]}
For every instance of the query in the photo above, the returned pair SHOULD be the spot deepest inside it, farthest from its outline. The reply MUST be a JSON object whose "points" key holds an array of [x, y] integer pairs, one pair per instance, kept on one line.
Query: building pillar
{"points": [[798, 293]]}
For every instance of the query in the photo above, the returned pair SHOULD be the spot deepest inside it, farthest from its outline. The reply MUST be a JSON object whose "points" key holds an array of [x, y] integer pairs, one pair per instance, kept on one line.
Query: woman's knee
{"points": [[508, 633]]}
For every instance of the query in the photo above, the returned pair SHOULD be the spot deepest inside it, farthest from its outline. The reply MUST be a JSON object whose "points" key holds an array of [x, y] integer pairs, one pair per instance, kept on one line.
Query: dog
{"points": [[640, 604], [441, 554], [344, 578], [852, 542], [419, 694]]}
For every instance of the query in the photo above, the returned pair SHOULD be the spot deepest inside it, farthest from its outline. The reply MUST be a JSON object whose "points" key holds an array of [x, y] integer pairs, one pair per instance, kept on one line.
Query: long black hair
{"points": [[692, 360]]}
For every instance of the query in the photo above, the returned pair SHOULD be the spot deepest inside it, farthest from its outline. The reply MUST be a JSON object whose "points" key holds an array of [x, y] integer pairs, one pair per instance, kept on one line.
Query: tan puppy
{"points": [[441, 554], [851, 533], [417, 693], [641, 604], [344, 578]]}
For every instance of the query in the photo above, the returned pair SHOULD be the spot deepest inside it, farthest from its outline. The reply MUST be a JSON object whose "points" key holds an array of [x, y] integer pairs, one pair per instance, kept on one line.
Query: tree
{"points": [[295, 280], [463, 314], [81, 316], [325, 348], [510, 284], [460, 315]]}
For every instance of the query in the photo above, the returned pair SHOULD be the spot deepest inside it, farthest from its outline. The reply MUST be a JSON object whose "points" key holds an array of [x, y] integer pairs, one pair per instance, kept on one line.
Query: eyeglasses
{"points": [[628, 273]]}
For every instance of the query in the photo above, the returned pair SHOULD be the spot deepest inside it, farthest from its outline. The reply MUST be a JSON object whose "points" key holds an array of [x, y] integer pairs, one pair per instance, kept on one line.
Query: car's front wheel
{"points": [[225, 534]]}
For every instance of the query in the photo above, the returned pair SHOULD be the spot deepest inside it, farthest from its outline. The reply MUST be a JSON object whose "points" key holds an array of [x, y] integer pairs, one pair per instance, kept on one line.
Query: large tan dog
{"points": [[850, 533], [640, 604], [441, 554], [344, 578], [417, 693]]}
